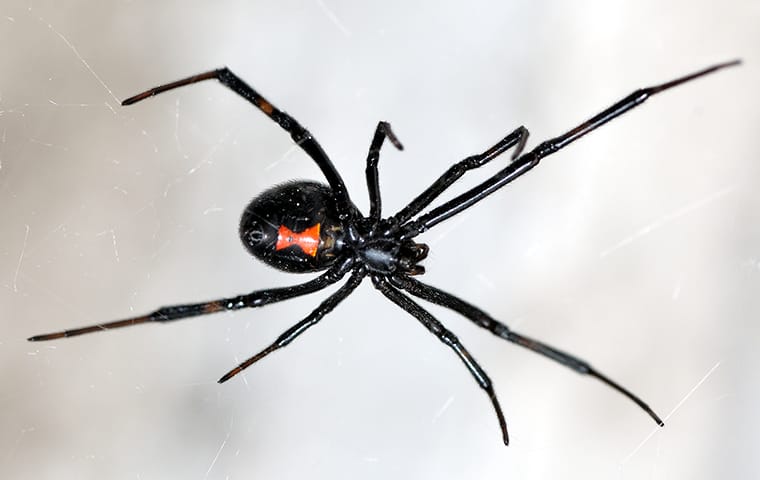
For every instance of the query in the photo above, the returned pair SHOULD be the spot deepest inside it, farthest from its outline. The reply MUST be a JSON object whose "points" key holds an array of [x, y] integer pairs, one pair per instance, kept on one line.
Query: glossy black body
{"points": [[308, 227], [297, 206]]}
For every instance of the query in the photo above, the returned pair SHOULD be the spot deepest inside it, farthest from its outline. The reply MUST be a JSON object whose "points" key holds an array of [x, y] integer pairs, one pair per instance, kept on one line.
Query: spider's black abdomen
{"points": [[293, 227]]}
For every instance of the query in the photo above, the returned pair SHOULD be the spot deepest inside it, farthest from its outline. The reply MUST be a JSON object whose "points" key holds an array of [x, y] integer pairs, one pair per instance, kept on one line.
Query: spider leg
{"points": [[529, 160], [448, 338], [517, 138], [382, 132], [439, 297], [255, 299], [299, 134], [314, 317]]}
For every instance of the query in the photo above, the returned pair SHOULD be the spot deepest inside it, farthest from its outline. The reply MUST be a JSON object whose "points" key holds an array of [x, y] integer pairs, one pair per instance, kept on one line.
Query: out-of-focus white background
{"points": [[638, 248]]}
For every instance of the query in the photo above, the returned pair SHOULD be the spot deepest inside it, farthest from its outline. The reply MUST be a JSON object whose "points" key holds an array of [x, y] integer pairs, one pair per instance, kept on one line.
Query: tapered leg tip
{"points": [[136, 98], [129, 101], [42, 338], [655, 417], [504, 434]]}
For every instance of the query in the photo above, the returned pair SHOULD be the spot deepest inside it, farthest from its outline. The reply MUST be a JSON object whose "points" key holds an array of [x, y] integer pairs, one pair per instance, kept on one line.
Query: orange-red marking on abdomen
{"points": [[308, 240]]}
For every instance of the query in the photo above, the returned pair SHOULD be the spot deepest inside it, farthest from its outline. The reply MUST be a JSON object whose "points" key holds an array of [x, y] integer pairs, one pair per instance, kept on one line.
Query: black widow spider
{"points": [[306, 226]]}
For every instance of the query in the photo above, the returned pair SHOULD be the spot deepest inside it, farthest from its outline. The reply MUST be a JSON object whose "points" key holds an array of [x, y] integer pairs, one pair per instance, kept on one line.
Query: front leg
{"points": [[382, 132], [523, 164], [515, 139], [299, 134]]}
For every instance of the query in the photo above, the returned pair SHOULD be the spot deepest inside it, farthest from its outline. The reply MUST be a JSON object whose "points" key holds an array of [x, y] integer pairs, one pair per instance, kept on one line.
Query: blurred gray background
{"points": [[638, 248]]}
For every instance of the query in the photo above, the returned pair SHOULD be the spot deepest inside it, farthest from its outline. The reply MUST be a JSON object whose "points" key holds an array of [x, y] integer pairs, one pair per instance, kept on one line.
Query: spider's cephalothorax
{"points": [[308, 227], [389, 256]]}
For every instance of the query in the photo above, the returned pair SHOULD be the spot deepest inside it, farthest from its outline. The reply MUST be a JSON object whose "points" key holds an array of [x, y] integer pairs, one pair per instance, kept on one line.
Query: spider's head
{"points": [[411, 254], [293, 227]]}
